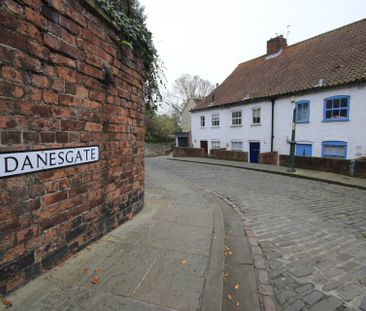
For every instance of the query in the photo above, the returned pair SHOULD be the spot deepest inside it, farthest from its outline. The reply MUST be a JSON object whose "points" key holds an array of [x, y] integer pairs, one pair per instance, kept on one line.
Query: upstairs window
{"points": [[334, 149], [215, 120], [237, 145], [215, 144], [236, 118], [336, 108], [302, 111], [202, 121], [256, 115]]}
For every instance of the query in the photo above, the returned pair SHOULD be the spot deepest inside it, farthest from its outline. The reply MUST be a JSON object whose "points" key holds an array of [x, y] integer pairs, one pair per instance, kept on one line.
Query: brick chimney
{"points": [[274, 45]]}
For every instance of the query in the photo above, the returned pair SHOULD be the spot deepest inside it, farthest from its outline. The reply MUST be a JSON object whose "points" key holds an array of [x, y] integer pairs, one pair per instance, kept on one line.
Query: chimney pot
{"points": [[274, 45]]}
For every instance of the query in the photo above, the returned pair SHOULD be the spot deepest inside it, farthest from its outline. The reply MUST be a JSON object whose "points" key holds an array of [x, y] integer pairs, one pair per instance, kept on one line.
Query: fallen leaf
{"points": [[95, 280], [237, 286], [7, 302], [88, 248], [237, 304], [183, 262], [229, 297], [85, 270], [129, 216], [97, 269]]}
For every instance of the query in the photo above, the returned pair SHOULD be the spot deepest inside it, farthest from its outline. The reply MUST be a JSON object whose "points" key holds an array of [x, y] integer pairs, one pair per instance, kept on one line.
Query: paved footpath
{"points": [[174, 255], [308, 238]]}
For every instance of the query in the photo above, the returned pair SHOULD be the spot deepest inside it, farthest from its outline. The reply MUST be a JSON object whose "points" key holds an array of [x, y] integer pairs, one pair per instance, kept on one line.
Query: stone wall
{"points": [[54, 93], [268, 158], [189, 152], [154, 150], [229, 155]]}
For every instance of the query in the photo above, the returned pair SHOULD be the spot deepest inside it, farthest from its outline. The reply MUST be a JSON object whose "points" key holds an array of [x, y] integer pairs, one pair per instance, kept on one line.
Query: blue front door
{"points": [[304, 150], [254, 149]]}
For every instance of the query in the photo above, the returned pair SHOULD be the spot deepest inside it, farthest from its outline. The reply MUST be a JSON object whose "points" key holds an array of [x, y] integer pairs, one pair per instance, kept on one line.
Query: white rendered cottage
{"points": [[323, 77]]}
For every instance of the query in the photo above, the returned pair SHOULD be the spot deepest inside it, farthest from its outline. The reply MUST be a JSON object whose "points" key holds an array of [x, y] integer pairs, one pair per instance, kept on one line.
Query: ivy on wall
{"points": [[134, 34]]}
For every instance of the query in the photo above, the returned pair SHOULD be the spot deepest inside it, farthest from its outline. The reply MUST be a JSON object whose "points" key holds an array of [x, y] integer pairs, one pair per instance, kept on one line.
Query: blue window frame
{"points": [[302, 111], [334, 149], [336, 108], [304, 150]]}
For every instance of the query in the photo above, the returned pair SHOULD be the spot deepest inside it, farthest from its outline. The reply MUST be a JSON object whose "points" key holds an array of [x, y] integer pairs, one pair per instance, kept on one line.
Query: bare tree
{"points": [[185, 88]]}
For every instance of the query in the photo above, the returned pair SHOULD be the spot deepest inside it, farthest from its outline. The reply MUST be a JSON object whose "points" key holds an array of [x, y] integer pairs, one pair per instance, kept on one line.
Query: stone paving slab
{"points": [[311, 234], [169, 257]]}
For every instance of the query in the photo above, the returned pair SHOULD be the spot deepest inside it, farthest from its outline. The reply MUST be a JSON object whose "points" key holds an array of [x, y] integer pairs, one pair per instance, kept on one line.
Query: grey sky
{"points": [[211, 37]]}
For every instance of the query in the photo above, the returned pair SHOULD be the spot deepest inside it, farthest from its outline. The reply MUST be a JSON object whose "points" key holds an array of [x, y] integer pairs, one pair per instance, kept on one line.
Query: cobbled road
{"points": [[312, 234]]}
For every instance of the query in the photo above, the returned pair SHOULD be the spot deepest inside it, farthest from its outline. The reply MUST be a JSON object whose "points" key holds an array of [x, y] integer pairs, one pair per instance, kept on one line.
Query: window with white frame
{"points": [[215, 119], [237, 145], [256, 115], [215, 144], [302, 111], [203, 121], [236, 117]]}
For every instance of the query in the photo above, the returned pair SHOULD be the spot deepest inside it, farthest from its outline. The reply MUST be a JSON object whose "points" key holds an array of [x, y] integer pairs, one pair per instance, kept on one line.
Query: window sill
{"points": [[302, 122], [238, 125], [215, 127], [336, 120], [256, 124]]}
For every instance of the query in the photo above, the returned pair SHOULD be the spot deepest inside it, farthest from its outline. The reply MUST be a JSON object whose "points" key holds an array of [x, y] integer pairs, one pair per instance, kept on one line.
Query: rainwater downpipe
{"points": [[273, 100]]}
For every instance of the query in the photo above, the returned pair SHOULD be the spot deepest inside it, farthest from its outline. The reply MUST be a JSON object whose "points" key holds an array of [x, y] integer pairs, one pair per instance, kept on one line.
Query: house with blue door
{"points": [[323, 77]]}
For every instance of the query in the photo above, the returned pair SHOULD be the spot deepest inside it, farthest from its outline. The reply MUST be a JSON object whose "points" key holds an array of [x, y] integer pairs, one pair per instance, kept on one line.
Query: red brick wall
{"points": [[52, 95], [268, 158], [189, 152], [229, 155]]}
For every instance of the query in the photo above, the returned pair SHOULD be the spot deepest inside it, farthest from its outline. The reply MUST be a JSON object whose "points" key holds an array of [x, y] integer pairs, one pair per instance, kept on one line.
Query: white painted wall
{"points": [[226, 132], [315, 132]]}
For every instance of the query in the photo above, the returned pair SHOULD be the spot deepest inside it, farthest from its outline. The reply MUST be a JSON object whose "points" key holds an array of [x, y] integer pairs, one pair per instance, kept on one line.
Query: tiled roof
{"points": [[335, 58]]}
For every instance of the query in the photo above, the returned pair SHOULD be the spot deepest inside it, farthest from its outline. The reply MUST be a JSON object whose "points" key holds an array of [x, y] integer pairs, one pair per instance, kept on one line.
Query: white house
{"points": [[324, 78]]}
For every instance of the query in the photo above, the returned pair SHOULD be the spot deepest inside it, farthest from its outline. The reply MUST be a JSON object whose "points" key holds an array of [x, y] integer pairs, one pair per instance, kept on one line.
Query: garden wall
{"points": [[229, 155], [57, 62], [268, 158], [189, 152], [338, 166]]}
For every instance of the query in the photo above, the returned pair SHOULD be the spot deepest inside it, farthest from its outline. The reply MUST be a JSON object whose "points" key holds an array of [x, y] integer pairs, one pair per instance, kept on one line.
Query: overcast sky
{"points": [[211, 37]]}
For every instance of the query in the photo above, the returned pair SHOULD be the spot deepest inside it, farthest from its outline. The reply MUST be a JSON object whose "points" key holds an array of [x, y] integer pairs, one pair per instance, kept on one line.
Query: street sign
{"points": [[25, 162]]}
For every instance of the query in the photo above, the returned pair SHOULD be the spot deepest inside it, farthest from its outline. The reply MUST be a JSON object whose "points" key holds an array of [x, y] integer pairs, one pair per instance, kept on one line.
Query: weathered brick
{"points": [[40, 81], [53, 198], [26, 62], [47, 137], [37, 50], [13, 137], [54, 258], [13, 39], [70, 50], [35, 18], [9, 269], [59, 59], [66, 74], [10, 90], [11, 74], [50, 13]]}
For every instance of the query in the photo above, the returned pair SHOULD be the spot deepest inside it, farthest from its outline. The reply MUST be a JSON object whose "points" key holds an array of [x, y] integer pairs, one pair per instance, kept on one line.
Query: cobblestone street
{"points": [[312, 234]]}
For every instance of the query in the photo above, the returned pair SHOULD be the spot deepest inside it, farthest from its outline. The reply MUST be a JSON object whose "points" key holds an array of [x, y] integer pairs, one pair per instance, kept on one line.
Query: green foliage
{"points": [[134, 34], [160, 128]]}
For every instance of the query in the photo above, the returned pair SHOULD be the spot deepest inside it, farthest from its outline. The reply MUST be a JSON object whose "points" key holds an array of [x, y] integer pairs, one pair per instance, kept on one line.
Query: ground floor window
{"points": [[237, 145], [215, 144], [334, 149], [303, 150]]}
